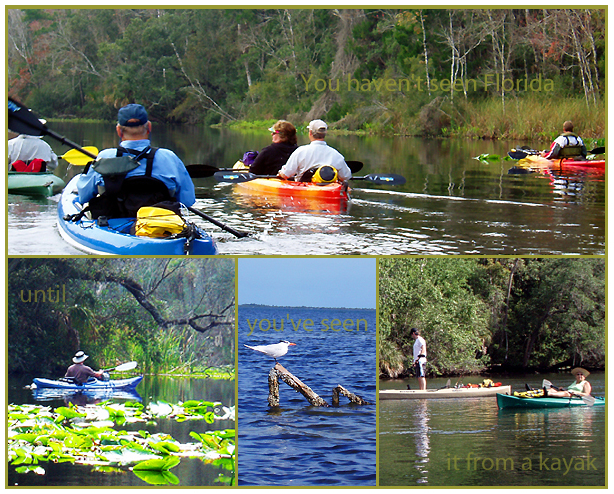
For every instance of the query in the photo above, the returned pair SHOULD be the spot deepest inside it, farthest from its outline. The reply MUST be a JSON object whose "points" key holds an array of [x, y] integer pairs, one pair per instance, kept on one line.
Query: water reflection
{"points": [[423, 444], [87, 397]]}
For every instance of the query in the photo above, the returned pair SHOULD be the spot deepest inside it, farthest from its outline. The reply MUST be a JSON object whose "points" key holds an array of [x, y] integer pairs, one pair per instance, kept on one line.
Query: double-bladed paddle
{"points": [[588, 400], [23, 121], [204, 171], [237, 177], [122, 367]]}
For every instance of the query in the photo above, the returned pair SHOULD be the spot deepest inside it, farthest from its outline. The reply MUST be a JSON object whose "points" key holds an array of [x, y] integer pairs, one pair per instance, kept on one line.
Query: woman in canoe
{"points": [[270, 160], [579, 388]]}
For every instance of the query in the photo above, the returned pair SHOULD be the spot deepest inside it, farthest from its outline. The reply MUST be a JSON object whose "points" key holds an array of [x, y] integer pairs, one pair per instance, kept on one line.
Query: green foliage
{"points": [[219, 65], [554, 315], [167, 314]]}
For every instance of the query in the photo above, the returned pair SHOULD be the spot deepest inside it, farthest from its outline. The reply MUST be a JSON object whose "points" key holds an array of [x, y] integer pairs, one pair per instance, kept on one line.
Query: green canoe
{"points": [[34, 184], [507, 401]]}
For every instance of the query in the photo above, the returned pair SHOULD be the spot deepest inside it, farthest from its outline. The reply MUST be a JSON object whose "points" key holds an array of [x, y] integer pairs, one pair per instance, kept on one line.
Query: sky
{"points": [[308, 282]]}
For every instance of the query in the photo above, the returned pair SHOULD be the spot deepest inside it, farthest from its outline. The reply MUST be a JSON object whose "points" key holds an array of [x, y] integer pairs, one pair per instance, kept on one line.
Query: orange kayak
{"points": [[296, 195], [296, 189], [542, 163]]}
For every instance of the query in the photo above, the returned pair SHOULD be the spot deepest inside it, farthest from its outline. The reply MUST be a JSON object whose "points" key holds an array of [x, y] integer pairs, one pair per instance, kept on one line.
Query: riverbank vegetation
{"points": [[170, 315], [478, 73], [492, 314]]}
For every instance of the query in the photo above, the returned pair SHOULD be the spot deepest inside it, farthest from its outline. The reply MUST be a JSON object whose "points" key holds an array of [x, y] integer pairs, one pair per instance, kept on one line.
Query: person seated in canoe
{"points": [[567, 145], [134, 174], [581, 387], [316, 161], [270, 160], [31, 154], [79, 372]]}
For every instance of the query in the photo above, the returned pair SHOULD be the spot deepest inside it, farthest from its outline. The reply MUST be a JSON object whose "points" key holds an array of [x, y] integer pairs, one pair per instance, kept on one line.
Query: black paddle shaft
{"points": [[224, 227], [23, 121]]}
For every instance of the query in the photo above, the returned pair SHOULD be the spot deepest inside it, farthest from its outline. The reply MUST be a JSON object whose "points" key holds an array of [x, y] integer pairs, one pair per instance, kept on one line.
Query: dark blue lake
{"points": [[297, 444]]}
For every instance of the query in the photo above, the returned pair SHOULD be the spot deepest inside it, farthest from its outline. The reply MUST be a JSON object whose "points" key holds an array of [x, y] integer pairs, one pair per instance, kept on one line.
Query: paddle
{"points": [[241, 177], [224, 227], [446, 386], [589, 400], [76, 157], [23, 121], [204, 171], [122, 367]]}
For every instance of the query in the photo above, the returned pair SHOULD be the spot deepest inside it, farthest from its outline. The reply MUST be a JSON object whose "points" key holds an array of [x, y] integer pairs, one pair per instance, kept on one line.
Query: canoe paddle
{"points": [[122, 367], [24, 121], [588, 400], [204, 171], [241, 177]]}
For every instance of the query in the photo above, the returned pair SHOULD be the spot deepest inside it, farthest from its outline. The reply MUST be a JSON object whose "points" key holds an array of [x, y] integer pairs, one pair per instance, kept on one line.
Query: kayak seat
{"points": [[570, 152]]}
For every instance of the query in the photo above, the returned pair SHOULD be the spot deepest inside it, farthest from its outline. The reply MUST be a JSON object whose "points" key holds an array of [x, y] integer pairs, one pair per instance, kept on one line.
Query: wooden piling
{"points": [[279, 372], [340, 390]]}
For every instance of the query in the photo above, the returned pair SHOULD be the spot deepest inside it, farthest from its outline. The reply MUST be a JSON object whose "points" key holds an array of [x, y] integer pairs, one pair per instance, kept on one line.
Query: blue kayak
{"points": [[92, 384], [88, 236]]}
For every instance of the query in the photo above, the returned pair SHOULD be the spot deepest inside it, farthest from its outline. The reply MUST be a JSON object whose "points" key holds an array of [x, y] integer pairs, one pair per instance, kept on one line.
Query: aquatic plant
{"points": [[88, 436]]}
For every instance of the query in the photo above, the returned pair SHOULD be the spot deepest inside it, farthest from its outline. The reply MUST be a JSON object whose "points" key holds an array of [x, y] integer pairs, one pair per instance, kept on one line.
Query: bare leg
{"points": [[422, 382]]}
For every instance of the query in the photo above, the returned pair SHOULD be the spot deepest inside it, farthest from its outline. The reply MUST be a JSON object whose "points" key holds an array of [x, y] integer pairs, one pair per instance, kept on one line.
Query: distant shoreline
{"points": [[257, 306]]}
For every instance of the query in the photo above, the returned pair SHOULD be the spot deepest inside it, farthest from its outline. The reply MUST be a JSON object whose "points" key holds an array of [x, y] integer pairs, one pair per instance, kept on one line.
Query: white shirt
{"points": [[419, 344], [27, 148], [314, 154]]}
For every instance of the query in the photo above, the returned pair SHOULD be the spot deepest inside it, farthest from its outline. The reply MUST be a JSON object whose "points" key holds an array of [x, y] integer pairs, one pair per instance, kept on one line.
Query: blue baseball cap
{"points": [[132, 115]]}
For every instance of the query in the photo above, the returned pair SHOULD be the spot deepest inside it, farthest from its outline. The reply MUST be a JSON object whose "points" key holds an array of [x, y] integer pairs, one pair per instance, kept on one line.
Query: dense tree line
{"points": [[359, 68], [167, 314], [503, 314]]}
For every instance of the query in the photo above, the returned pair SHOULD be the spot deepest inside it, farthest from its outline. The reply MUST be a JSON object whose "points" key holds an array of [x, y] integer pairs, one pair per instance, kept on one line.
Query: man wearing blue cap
{"points": [[133, 129]]}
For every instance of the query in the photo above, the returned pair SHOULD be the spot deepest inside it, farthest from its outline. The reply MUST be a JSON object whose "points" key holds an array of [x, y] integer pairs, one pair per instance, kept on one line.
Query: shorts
{"points": [[420, 367]]}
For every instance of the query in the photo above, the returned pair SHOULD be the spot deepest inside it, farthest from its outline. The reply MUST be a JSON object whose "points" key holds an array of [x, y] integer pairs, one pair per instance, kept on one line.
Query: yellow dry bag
{"points": [[157, 222]]}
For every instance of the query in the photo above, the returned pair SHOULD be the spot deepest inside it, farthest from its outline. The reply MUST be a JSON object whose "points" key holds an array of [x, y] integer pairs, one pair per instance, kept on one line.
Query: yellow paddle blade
{"points": [[75, 157]]}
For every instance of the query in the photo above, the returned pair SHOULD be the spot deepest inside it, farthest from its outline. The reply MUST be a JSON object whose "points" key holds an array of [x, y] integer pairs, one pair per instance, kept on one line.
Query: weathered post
{"points": [[340, 390], [273, 388], [295, 383]]}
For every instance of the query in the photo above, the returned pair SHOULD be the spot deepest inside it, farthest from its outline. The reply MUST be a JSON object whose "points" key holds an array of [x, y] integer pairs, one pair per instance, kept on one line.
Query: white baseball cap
{"points": [[317, 127]]}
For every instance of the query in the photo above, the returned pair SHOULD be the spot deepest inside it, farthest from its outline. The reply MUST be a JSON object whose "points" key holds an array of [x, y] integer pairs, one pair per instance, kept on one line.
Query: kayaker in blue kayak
{"points": [[316, 161], [567, 145], [581, 387], [419, 357], [158, 174], [80, 372]]}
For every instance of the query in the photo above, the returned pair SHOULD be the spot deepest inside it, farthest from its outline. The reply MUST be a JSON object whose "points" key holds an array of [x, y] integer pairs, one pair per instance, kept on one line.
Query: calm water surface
{"points": [[419, 439], [451, 203], [297, 444], [191, 471]]}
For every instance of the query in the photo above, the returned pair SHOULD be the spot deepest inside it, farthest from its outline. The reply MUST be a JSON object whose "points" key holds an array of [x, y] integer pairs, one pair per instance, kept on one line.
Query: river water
{"points": [[190, 471], [454, 442], [297, 444], [451, 203]]}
